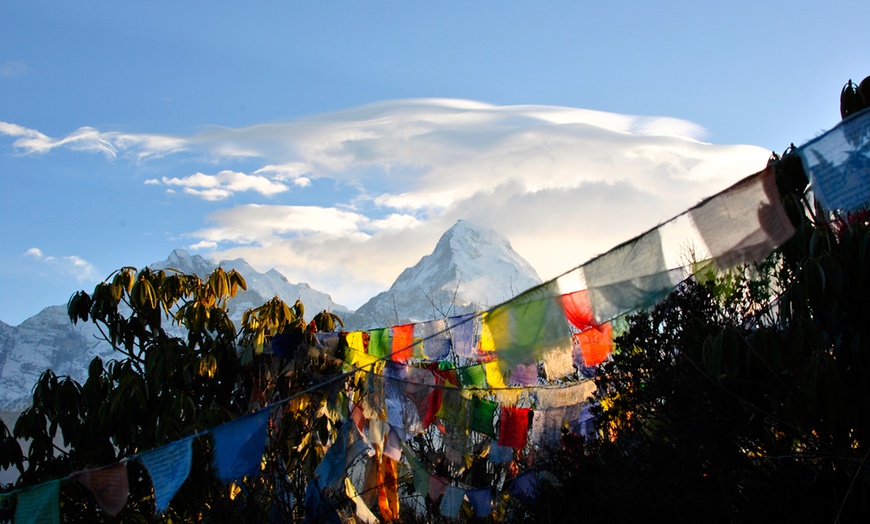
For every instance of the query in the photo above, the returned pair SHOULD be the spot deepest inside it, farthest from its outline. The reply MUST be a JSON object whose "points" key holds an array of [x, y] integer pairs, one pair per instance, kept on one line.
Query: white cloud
{"points": [[563, 184], [69, 266], [223, 185], [13, 69], [203, 245]]}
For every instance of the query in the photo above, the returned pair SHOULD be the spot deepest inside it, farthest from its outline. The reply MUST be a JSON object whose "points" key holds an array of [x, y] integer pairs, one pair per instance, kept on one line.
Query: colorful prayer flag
{"points": [[629, 277], [238, 446], [168, 467], [514, 427], [39, 504], [110, 486], [838, 164], [744, 223]]}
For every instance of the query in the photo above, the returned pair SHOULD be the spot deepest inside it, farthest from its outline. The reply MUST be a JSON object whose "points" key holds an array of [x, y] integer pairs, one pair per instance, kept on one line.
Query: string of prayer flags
{"points": [[403, 341], [482, 416], [437, 342], [110, 486], [745, 222], [462, 334], [838, 164], [380, 343], [451, 502], [481, 501], [595, 344], [168, 467], [238, 446], [39, 504], [514, 427], [629, 277]]}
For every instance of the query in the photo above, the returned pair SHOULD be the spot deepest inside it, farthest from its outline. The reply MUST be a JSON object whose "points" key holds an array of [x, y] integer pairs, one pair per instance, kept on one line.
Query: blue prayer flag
{"points": [[238, 446], [168, 467]]}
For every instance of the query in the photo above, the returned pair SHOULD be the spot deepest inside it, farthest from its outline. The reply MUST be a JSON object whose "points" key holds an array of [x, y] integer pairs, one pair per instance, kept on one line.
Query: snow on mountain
{"points": [[261, 286], [471, 268], [50, 340]]}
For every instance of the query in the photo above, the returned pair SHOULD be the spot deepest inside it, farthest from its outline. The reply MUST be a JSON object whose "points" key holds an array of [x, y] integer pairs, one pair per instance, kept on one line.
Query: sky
{"points": [[336, 141]]}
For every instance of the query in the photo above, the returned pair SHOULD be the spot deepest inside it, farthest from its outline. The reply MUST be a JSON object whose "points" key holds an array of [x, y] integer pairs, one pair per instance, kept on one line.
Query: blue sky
{"points": [[337, 141]]}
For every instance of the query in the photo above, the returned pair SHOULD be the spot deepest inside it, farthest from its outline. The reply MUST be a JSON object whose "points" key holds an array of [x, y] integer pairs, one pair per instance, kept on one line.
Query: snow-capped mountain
{"points": [[261, 286], [49, 340], [472, 268]]}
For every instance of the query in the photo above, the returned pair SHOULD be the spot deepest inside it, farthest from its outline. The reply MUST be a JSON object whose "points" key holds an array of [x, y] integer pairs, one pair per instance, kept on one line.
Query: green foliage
{"points": [[165, 386]]}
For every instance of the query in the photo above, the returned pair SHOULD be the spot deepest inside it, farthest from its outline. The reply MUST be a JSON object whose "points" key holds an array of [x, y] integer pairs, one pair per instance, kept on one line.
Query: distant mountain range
{"points": [[471, 268]]}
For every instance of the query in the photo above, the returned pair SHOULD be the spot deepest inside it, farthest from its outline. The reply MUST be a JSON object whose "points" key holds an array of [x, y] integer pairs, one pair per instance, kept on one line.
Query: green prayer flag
{"points": [[380, 342], [482, 415]]}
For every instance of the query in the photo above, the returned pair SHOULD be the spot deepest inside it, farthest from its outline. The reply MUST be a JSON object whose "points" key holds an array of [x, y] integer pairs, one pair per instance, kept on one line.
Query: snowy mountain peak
{"points": [[471, 268], [186, 263]]}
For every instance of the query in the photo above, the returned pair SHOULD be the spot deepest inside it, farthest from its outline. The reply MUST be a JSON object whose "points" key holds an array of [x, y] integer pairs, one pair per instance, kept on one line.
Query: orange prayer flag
{"points": [[595, 344], [403, 342]]}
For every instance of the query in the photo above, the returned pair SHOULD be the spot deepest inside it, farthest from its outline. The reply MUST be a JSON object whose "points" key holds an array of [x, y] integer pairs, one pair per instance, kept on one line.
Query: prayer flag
{"points": [[168, 467], [838, 164], [436, 342], [388, 489], [436, 487], [472, 376], [403, 343], [595, 344], [110, 486], [578, 309], [452, 501], [238, 446], [493, 375], [481, 501], [39, 504], [744, 223], [523, 375], [482, 415], [525, 486], [513, 427], [527, 326], [559, 363], [363, 513], [380, 343], [629, 277], [462, 334], [500, 454]]}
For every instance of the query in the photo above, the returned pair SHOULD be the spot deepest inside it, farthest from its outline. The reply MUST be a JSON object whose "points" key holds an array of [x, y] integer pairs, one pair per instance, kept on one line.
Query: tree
{"points": [[181, 368]]}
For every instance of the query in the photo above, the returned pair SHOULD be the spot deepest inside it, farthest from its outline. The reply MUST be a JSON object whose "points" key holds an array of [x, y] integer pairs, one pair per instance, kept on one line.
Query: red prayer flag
{"points": [[109, 486], [578, 309], [514, 427], [403, 343]]}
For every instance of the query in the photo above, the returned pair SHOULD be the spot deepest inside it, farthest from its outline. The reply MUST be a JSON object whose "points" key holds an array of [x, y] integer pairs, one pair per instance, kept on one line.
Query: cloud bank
{"points": [[346, 200]]}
